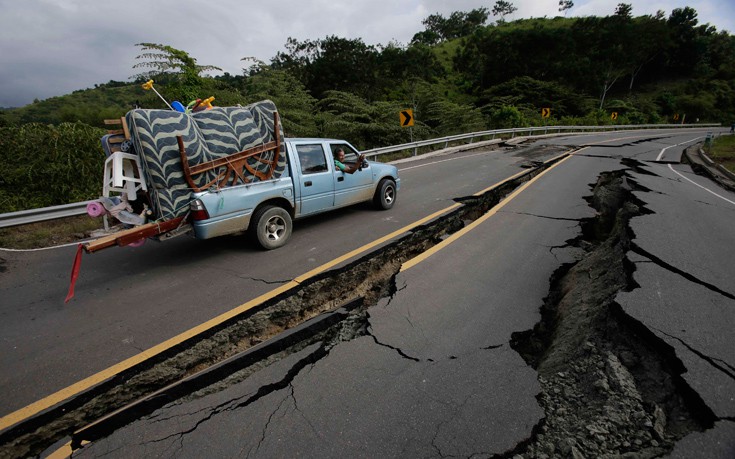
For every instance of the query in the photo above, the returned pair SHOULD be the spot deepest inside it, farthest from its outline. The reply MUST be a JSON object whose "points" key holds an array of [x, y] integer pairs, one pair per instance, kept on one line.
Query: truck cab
{"points": [[311, 184], [321, 186]]}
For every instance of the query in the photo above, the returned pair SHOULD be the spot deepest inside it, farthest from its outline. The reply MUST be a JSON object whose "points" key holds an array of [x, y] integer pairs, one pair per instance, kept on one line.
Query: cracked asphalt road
{"points": [[430, 371], [687, 296]]}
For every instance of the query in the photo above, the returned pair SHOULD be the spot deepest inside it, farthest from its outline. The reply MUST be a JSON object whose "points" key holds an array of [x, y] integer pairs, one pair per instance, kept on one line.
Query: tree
{"points": [[601, 51], [346, 115], [183, 70], [435, 25], [397, 64], [344, 65], [645, 38], [624, 10], [476, 18], [290, 96], [684, 37], [332, 63], [528, 93], [254, 65], [565, 5], [449, 118], [503, 8], [458, 24], [166, 59], [505, 117], [426, 37], [610, 76], [683, 17]]}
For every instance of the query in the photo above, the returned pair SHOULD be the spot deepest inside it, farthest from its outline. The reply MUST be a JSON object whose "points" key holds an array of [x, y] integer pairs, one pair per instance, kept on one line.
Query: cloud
{"points": [[53, 47]]}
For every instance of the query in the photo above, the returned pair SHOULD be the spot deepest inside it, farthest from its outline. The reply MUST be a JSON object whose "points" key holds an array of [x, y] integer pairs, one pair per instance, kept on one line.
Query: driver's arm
{"points": [[350, 169]]}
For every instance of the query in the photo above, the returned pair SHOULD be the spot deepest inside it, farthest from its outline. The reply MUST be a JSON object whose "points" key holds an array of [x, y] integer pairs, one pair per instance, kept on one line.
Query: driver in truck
{"points": [[339, 157]]}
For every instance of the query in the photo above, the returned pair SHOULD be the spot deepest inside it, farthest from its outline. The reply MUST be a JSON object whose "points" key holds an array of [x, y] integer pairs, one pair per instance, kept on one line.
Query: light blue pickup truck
{"points": [[311, 184], [228, 170]]}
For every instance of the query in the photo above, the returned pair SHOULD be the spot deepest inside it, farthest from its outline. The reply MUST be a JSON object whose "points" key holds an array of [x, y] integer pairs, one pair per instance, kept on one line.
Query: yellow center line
{"points": [[80, 386], [443, 244], [62, 453], [97, 378]]}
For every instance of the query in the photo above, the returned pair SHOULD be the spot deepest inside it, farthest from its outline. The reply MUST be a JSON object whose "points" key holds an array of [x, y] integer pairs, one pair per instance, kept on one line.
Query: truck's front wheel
{"points": [[385, 194], [271, 227]]}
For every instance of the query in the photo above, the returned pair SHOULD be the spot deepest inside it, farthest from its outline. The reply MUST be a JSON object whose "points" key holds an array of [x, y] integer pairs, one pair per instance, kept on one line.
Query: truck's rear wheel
{"points": [[385, 194], [271, 227]]}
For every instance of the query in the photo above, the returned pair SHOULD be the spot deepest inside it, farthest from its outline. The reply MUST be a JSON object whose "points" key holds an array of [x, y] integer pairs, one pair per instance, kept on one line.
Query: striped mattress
{"points": [[207, 135]]}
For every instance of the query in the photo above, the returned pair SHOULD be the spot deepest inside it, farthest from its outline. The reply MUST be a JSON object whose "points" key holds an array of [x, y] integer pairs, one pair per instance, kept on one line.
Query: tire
{"points": [[385, 194], [271, 227]]}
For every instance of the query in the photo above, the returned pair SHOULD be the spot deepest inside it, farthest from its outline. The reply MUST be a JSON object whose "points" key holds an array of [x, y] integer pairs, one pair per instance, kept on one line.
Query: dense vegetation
{"points": [[458, 75]]}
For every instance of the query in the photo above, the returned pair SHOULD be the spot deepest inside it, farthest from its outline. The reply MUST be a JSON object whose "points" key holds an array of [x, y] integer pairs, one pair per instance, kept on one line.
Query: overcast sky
{"points": [[53, 47]]}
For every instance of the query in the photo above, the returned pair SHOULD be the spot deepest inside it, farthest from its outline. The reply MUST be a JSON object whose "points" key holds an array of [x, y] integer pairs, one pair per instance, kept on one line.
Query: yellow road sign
{"points": [[676, 117], [406, 117], [614, 115], [545, 112]]}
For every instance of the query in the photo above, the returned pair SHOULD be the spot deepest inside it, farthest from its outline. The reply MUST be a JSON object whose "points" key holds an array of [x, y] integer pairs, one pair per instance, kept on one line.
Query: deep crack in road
{"points": [[609, 384]]}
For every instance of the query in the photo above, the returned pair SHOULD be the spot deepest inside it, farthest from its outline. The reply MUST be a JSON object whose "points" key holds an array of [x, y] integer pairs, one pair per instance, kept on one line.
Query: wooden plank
{"points": [[142, 233], [123, 131], [126, 131], [215, 163], [130, 235]]}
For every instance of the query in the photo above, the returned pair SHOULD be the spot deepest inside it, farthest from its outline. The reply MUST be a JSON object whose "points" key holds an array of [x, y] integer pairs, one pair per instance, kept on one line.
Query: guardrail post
{"points": [[708, 140]]}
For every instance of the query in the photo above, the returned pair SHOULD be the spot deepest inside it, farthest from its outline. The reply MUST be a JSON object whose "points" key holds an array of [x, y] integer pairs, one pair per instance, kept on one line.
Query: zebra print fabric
{"points": [[207, 135]]}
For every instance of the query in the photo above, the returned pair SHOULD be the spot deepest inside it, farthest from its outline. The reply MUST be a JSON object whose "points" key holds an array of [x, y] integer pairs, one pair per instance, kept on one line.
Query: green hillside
{"points": [[459, 74]]}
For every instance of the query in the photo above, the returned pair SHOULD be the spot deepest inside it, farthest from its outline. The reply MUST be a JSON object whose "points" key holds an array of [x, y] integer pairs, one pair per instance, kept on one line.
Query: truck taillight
{"points": [[198, 211]]}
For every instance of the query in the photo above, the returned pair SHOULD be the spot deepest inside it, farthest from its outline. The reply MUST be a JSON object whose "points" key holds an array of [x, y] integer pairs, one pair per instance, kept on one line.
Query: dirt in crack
{"points": [[371, 278], [609, 385]]}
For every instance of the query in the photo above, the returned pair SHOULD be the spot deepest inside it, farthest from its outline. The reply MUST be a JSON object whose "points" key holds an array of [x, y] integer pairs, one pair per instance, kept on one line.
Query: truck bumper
{"points": [[214, 227]]}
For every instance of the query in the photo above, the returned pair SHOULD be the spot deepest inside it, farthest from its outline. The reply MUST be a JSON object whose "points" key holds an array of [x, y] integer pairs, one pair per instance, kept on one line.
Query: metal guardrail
{"points": [[25, 217], [539, 130]]}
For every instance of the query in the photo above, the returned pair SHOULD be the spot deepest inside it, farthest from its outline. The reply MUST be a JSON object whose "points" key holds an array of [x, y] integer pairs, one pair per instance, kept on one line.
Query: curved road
{"points": [[433, 372]]}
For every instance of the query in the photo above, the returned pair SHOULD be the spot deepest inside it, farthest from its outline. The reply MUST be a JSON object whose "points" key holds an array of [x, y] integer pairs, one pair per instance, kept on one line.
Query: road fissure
{"points": [[609, 385], [311, 298]]}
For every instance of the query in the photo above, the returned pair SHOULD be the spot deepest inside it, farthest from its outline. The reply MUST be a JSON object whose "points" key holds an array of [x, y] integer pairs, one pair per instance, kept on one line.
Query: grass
{"points": [[49, 233], [722, 151]]}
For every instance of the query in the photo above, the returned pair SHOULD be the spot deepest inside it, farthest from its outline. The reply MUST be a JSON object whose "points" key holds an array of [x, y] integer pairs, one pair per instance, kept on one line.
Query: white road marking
{"points": [[661, 155], [443, 160], [700, 186]]}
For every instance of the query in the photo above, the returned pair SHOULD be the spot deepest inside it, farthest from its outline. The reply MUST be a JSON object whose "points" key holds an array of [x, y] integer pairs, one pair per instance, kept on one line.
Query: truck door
{"points": [[315, 182], [351, 188]]}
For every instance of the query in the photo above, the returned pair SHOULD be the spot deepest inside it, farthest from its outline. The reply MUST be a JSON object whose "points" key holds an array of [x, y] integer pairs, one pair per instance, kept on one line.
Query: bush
{"points": [[506, 117], [46, 165]]}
